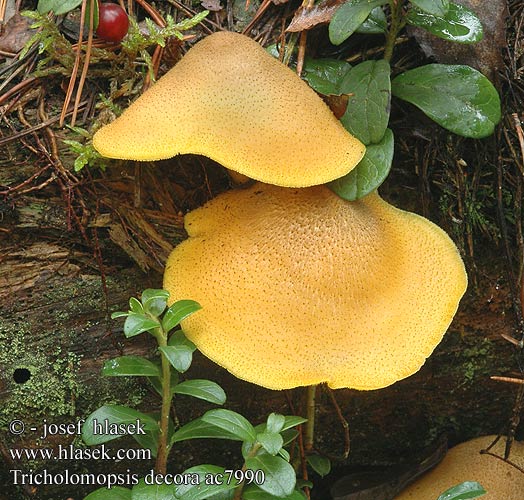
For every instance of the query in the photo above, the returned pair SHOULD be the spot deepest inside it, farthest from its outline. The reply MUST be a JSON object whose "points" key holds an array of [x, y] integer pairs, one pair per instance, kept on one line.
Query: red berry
{"points": [[112, 22]]}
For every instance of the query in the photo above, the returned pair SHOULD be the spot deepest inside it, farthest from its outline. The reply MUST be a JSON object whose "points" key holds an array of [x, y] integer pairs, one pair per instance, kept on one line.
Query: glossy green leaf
{"points": [[435, 7], [459, 98], [349, 16], [284, 454], [118, 416], [179, 356], [138, 323], [289, 435], [272, 442], [275, 422], [202, 389], [143, 491], [148, 441], [59, 7], [369, 88], [375, 24], [177, 312], [292, 421], [198, 429], [223, 495], [178, 338], [207, 476], [459, 24], [119, 314], [136, 306], [154, 301], [321, 465], [232, 422], [369, 174], [114, 493], [253, 492], [463, 491], [130, 366], [279, 475], [325, 75]]}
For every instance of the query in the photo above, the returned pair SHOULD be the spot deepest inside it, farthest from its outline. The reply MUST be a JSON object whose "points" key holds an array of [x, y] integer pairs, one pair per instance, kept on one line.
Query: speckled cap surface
{"points": [[229, 100], [464, 462], [299, 287]]}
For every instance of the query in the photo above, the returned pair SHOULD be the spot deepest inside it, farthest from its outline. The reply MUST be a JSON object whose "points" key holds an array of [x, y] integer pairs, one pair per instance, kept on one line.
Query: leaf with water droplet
{"points": [[459, 98]]}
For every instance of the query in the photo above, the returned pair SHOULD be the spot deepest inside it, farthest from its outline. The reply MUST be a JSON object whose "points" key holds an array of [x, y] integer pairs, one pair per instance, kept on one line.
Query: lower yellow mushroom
{"points": [[300, 287], [464, 462]]}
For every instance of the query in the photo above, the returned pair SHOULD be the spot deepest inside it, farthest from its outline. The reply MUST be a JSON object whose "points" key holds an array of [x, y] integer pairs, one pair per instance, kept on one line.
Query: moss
{"points": [[47, 343], [51, 388]]}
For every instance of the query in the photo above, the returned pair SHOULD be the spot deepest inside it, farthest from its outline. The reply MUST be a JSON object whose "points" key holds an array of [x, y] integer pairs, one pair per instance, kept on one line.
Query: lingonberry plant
{"points": [[266, 469], [457, 97]]}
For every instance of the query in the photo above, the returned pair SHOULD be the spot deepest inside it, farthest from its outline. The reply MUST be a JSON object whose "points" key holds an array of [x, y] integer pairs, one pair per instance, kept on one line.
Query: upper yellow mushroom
{"points": [[229, 100], [299, 287], [465, 463]]}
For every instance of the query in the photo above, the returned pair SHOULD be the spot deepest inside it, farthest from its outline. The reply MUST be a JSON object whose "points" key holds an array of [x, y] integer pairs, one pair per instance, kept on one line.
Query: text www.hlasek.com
{"points": [[71, 452]]}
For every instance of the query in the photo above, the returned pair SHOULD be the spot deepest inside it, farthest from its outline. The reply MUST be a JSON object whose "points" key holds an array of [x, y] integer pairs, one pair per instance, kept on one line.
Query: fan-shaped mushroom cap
{"points": [[298, 287], [231, 101], [465, 463]]}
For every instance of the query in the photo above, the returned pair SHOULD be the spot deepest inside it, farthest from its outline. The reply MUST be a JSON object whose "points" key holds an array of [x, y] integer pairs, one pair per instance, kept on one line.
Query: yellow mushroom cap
{"points": [[229, 100], [465, 463], [299, 287]]}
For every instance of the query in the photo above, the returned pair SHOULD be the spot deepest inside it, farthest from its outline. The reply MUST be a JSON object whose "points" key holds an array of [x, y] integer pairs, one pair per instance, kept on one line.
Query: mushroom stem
{"points": [[310, 415], [161, 459]]}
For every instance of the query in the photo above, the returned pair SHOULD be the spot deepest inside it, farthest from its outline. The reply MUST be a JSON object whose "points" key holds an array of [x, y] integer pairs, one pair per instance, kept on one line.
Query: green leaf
{"points": [[114, 493], [284, 454], [179, 356], [138, 323], [198, 429], [458, 98], [463, 491], [202, 389], [279, 475], [459, 24], [438, 8], [325, 75], [349, 16], [289, 435], [130, 366], [59, 7], [275, 422], [178, 312], [154, 301], [136, 306], [115, 416], [369, 88], [179, 338], [253, 492], [207, 475], [292, 421], [148, 441], [272, 442], [375, 24], [143, 491], [369, 174], [96, 15], [180, 351], [119, 314], [232, 422], [321, 465]]}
